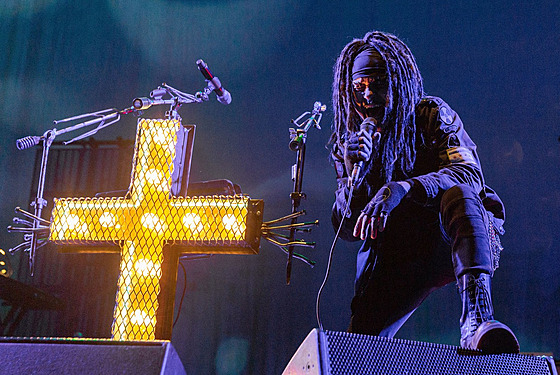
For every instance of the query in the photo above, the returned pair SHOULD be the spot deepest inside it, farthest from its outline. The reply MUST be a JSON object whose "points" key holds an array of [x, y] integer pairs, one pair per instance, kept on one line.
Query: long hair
{"points": [[397, 147]]}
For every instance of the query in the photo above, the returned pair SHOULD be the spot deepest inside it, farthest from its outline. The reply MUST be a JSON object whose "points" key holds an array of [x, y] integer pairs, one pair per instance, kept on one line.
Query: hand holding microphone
{"points": [[360, 146]]}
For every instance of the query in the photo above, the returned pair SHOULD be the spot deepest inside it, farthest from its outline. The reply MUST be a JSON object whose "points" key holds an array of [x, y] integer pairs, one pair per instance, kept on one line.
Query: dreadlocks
{"points": [[405, 90]]}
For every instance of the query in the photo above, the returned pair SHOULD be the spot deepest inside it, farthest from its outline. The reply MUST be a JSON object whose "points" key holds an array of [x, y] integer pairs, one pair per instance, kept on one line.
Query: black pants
{"points": [[421, 250]]}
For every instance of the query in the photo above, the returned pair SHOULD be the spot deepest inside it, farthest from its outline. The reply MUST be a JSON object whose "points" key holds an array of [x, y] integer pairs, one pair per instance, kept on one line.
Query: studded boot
{"points": [[479, 330]]}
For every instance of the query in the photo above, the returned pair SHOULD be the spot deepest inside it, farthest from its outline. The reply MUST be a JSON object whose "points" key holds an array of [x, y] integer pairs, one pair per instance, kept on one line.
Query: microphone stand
{"points": [[298, 140], [39, 203], [36, 231]]}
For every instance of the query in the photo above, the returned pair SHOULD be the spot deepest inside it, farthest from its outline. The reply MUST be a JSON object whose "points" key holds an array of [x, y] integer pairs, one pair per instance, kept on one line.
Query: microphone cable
{"points": [[329, 263], [376, 138]]}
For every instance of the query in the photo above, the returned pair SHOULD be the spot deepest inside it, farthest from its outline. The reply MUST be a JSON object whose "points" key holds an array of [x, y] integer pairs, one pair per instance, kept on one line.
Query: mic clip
{"points": [[298, 136], [205, 94], [201, 95]]}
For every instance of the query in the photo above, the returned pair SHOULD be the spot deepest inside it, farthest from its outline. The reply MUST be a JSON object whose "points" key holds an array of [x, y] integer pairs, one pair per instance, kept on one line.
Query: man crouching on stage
{"points": [[419, 204]]}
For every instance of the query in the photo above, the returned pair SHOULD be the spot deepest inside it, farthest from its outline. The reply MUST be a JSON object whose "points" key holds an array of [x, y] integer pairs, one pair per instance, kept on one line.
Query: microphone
{"points": [[369, 125], [144, 103], [224, 96]]}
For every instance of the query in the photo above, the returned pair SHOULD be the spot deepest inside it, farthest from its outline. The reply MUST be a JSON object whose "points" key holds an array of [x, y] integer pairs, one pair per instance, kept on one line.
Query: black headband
{"points": [[367, 63]]}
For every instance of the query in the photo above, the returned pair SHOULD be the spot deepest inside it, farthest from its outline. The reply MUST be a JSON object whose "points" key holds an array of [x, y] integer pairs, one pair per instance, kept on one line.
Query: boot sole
{"points": [[496, 338]]}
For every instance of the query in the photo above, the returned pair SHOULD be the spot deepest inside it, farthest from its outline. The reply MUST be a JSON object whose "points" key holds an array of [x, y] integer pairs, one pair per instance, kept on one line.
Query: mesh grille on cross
{"points": [[145, 220]]}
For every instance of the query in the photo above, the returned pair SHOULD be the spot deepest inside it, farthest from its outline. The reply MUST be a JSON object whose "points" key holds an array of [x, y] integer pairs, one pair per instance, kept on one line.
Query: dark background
{"points": [[496, 63]]}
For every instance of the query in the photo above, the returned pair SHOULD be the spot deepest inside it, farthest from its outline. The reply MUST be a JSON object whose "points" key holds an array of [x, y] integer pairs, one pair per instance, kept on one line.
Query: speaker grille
{"points": [[351, 354], [38, 356]]}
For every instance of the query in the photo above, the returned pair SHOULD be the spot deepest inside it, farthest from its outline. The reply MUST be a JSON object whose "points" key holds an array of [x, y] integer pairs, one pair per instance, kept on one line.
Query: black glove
{"points": [[358, 147], [376, 212]]}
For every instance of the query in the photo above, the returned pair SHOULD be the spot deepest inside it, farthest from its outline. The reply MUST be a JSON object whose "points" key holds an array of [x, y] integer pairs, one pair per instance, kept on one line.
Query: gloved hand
{"points": [[358, 147], [375, 213]]}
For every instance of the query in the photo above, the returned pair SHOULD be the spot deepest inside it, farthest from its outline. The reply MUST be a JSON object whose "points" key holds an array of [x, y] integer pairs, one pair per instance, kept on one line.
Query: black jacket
{"points": [[445, 156]]}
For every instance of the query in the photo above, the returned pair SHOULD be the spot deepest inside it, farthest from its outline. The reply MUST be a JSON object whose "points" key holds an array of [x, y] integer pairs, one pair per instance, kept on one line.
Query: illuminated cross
{"points": [[151, 229]]}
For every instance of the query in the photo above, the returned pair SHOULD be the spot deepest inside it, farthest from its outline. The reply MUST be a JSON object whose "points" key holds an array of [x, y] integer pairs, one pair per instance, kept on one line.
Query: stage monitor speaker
{"points": [[334, 353], [87, 356]]}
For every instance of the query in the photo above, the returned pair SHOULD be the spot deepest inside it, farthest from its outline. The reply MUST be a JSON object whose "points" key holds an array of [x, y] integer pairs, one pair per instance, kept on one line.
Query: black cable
{"points": [[331, 254], [182, 295]]}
